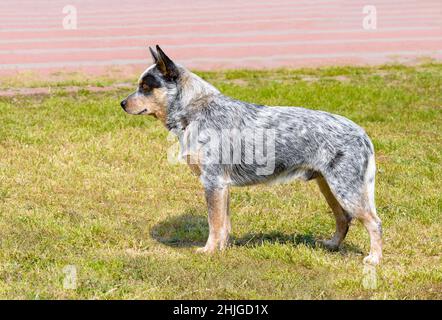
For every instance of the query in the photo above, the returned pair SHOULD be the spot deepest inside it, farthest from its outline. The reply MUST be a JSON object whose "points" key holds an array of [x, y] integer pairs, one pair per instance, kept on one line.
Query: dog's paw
{"points": [[205, 250], [372, 260], [328, 244]]}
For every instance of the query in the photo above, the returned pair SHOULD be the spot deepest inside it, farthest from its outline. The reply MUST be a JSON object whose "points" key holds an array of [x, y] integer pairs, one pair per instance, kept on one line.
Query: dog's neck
{"points": [[195, 91], [193, 95]]}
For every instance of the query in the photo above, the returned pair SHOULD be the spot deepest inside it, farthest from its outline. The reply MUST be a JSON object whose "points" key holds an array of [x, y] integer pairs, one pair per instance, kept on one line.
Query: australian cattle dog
{"points": [[228, 142]]}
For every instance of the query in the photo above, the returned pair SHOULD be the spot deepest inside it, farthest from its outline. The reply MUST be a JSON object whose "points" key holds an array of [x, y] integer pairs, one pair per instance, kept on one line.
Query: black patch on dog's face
{"points": [[148, 83]]}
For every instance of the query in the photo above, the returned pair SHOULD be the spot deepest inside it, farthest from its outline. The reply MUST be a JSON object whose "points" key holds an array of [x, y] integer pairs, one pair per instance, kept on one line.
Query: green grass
{"points": [[84, 184]]}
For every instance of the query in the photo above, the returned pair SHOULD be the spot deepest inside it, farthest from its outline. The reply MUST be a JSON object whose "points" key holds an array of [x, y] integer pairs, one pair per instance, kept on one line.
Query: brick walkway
{"points": [[209, 34]]}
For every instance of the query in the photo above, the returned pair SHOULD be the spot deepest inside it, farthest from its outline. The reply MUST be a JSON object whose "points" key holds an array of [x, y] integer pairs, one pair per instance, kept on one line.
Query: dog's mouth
{"points": [[142, 111]]}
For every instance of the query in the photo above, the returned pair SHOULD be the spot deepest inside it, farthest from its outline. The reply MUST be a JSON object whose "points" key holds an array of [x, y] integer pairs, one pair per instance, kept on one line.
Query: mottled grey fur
{"points": [[309, 145]]}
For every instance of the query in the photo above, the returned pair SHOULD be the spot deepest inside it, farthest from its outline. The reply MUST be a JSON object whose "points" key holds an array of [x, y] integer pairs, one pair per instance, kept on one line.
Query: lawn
{"points": [[86, 187]]}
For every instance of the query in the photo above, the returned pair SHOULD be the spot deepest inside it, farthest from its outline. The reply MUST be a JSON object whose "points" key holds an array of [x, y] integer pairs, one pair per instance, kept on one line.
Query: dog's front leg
{"points": [[219, 220]]}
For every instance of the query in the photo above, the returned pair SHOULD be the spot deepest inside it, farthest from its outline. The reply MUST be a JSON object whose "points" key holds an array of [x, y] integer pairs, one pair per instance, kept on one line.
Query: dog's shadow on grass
{"points": [[191, 230]]}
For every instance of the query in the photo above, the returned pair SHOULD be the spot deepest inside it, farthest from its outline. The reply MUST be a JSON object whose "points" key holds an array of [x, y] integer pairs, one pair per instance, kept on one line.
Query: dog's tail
{"points": [[369, 181]]}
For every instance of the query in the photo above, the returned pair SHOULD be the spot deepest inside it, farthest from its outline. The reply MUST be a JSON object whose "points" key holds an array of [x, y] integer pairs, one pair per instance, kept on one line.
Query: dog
{"points": [[304, 144]]}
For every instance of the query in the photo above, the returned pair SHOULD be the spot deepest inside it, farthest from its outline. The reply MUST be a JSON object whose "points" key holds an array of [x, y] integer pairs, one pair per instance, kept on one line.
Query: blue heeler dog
{"points": [[306, 144]]}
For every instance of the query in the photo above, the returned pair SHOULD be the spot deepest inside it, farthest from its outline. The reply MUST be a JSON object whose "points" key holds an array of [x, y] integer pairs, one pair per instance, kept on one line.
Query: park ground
{"points": [[86, 187]]}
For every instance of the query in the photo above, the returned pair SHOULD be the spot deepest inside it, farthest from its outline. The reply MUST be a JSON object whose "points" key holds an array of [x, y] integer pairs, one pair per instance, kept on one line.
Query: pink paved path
{"points": [[209, 34]]}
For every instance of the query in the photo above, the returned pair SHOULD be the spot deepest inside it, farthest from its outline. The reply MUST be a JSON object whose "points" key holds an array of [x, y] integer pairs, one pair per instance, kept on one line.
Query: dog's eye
{"points": [[145, 87]]}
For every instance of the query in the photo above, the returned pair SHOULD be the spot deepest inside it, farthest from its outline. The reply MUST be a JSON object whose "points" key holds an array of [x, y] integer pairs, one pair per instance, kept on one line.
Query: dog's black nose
{"points": [[123, 104]]}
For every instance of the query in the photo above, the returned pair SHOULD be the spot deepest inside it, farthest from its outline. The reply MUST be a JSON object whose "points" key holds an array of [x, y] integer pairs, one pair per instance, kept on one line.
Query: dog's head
{"points": [[155, 87]]}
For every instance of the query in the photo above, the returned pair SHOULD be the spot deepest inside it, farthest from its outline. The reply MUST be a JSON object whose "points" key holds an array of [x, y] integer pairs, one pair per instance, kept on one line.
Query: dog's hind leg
{"points": [[342, 218], [369, 217], [219, 220], [355, 194], [373, 225]]}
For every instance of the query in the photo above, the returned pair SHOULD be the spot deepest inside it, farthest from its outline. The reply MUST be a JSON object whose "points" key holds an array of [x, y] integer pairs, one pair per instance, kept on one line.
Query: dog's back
{"points": [[306, 141]]}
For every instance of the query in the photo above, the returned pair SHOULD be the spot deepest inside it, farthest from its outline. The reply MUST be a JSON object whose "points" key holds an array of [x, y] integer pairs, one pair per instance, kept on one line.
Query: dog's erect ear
{"points": [[154, 55], [166, 65]]}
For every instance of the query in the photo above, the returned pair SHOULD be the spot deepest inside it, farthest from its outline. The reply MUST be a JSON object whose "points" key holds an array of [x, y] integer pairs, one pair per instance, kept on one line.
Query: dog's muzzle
{"points": [[123, 104]]}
